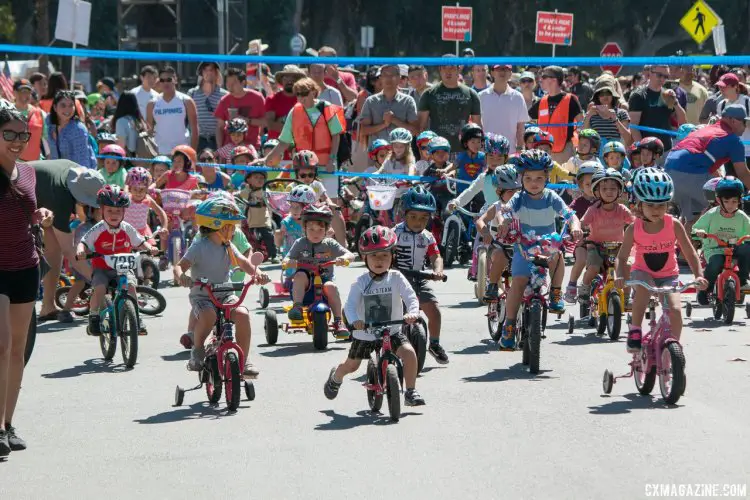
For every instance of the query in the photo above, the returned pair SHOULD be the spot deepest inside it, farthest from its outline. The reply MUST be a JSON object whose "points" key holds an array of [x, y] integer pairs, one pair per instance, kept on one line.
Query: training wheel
{"points": [[608, 381], [688, 309], [249, 390], [264, 297], [571, 324], [179, 396]]}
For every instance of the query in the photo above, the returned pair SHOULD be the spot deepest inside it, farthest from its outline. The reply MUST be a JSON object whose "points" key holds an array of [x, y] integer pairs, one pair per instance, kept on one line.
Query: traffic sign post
{"points": [[699, 21], [456, 24], [554, 28], [611, 49], [73, 23], [297, 44], [368, 40]]}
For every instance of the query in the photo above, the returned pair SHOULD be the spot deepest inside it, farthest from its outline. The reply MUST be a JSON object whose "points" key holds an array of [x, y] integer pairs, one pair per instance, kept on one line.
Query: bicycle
{"points": [[417, 332], [385, 373], [150, 301], [458, 236], [661, 354], [496, 307], [224, 361], [174, 202], [484, 258], [726, 293]]}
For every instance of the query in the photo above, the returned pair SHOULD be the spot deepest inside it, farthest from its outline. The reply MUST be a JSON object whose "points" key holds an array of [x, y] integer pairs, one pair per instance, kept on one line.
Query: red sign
{"points": [[457, 23], [611, 49], [554, 28]]}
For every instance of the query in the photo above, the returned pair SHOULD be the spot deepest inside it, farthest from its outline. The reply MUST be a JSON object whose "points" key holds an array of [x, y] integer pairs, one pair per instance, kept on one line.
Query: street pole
{"points": [[457, 42], [73, 59], [222, 34], [554, 45]]}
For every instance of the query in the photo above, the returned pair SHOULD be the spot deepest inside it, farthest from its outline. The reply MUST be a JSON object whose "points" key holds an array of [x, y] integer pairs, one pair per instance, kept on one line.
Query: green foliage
{"points": [[7, 24]]}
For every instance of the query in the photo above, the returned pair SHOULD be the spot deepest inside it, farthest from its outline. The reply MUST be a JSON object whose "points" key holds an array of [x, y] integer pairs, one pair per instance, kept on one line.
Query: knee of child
{"points": [[206, 317], [406, 352], [241, 314], [331, 288], [300, 278]]}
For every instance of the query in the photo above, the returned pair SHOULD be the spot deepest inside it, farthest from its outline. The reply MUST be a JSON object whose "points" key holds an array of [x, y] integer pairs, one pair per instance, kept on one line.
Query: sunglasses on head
{"points": [[12, 135], [168, 79], [306, 176]]}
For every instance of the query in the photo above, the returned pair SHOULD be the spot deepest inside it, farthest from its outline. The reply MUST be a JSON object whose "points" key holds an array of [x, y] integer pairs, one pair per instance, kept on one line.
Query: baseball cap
{"points": [[84, 183], [22, 84], [403, 70], [728, 79], [528, 75], [502, 66], [736, 111]]}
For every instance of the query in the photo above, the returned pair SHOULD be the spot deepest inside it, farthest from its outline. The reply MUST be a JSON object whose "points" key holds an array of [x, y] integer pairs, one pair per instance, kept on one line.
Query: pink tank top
{"points": [[137, 214], [189, 184], [655, 253]]}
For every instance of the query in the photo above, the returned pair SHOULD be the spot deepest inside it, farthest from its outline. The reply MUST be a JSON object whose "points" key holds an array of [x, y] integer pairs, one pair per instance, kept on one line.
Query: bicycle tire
{"points": [[155, 280], [644, 382], [671, 395], [393, 389], [535, 336], [374, 399], [128, 334], [153, 293], [320, 330], [232, 381], [452, 241], [614, 316], [481, 284], [213, 379], [730, 301]]}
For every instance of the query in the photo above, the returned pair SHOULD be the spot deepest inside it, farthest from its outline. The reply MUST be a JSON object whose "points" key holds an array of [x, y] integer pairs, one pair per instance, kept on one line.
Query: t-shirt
{"points": [[52, 190], [331, 95], [115, 179], [450, 109], [16, 238], [281, 104], [125, 129], [574, 109], [103, 239], [501, 113], [335, 127], [654, 113], [346, 77], [210, 261], [743, 101], [728, 146], [580, 205], [608, 128], [607, 225], [239, 240], [402, 105], [306, 252], [379, 300], [252, 104], [697, 95], [292, 232], [537, 215], [724, 227], [144, 97], [413, 250], [258, 214], [468, 169]]}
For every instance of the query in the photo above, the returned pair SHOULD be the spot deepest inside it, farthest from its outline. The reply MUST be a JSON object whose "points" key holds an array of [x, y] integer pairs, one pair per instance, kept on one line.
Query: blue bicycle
{"points": [[458, 237]]}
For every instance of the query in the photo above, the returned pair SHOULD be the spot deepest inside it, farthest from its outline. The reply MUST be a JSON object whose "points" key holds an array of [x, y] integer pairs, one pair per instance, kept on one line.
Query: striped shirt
{"points": [[206, 106], [16, 240], [607, 128]]}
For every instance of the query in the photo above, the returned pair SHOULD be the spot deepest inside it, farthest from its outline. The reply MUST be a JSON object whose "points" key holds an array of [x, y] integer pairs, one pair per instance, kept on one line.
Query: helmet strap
{"points": [[726, 212]]}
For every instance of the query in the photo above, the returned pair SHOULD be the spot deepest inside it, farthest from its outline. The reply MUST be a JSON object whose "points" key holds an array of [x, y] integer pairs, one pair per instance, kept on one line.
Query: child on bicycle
{"points": [[423, 141], [440, 150], [242, 156], [614, 155], [401, 160], [470, 162], [634, 155], [544, 141], [114, 168], [727, 221], [235, 129], [587, 150], [258, 213], [141, 204], [160, 165], [315, 248], [416, 246], [655, 236], [291, 229], [268, 146], [388, 288], [110, 236], [535, 207], [212, 257], [507, 183]]}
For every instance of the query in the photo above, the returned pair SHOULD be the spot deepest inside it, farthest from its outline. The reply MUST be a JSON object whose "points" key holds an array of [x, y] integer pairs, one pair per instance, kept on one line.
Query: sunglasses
{"points": [[166, 80], [12, 135], [206, 159], [306, 176], [209, 108], [302, 94], [527, 80], [660, 75]]}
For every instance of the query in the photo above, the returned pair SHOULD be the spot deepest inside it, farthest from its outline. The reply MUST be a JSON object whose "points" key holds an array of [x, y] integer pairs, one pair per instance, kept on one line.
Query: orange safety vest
{"points": [[316, 138], [560, 115], [33, 149]]}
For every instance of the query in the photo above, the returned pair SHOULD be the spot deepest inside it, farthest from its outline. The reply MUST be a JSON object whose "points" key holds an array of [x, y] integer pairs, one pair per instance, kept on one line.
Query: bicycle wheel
{"points": [[108, 341], [418, 339], [232, 381], [730, 300], [452, 240], [644, 380], [535, 335], [374, 399], [320, 330], [150, 301], [481, 285], [496, 318], [127, 330], [81, 303], [393, 389], [151, 273], [614, 316], [672, 376], [213, 379]]}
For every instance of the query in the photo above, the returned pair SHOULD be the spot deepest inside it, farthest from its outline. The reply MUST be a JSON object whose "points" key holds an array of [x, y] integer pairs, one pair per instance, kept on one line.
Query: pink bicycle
{"points": [[661, 354]]}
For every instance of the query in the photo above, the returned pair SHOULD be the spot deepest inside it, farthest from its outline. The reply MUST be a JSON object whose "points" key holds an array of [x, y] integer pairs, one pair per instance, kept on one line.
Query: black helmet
{"points": [[317, 212], [470, 131]]}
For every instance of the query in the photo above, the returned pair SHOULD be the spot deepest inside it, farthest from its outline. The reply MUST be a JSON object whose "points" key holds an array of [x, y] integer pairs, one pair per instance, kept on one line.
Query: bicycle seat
{"points": [[541, 262]]}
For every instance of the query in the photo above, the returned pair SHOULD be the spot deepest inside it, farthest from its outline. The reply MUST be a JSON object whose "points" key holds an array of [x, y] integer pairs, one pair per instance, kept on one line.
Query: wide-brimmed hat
{"points": [[608, 87], [256, 47], [207, 63], [289, 70], [84, 183]]}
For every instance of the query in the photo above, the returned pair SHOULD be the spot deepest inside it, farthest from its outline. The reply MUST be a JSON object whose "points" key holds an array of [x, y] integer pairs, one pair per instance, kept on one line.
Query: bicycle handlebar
{"points": [[724, 243], [312, 267], [466, 212], [94, 255], [428, 275], [675, 288]]}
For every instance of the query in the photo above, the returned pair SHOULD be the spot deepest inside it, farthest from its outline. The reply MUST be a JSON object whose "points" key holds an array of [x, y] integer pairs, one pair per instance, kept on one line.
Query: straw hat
{"points": [[256, 47], [289, 70]]}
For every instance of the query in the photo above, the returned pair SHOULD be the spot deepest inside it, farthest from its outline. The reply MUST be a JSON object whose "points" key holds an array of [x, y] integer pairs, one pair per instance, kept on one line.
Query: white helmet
{"points": [[589, 167], [302, 194]]}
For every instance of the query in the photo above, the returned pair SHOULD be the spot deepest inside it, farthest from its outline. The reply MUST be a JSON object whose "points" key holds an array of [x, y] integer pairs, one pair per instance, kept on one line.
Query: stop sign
{"points": [[611, 49]]}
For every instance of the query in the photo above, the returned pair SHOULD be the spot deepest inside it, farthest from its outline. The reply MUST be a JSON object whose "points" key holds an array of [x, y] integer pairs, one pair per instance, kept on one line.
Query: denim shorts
{"points": [[658, 282]]}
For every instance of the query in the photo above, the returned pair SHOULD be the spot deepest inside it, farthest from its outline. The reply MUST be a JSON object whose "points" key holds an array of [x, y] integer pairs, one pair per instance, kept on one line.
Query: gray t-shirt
{"points": [[403, 106], [208, 260], [307, 252], [125, 129], [450, 109]]}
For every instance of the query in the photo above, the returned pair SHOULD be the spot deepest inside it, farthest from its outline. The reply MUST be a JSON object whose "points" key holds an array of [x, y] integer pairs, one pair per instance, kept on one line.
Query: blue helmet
{"points": [[495, 144], [653, 185], [614, 147], [419, 199], [163, 159], [425, 137], [535, 160], [439, 144], [685, 130], [730, 187], [506, 177]]}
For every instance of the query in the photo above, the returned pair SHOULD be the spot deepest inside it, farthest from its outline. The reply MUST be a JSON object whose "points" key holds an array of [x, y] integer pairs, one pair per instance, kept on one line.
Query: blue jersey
{"points": [[538, 216], [468, 168]]}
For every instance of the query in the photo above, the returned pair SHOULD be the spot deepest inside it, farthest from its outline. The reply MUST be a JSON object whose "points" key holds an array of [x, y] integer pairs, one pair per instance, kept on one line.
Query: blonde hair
{"points": [[408, 158], [306, 84]]}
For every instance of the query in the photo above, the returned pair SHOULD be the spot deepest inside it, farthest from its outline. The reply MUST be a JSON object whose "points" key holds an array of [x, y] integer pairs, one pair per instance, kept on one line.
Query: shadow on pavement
{"points": [[88, 367], [557, 325], [485, 346], [295, 348], [341, 422], [428, 369], [515, 372], [586, 339], [630, 402], [465, 305], [56, 326], [183, 355], [194, 411]]}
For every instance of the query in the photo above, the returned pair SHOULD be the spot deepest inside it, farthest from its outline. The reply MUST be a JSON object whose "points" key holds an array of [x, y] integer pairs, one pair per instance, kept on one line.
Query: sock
{"points": [[573, 283], [435, 341], [333, 377]]}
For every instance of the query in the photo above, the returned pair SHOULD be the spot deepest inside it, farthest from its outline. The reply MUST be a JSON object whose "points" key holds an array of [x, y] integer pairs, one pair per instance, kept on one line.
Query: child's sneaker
{"points": [[438, 353], [163, 263], [331, 387], [634, 340], [571, 293], [492, 292], [187, 340], [471, 276], [94, 328], [508, 339], [412, 398], [142, 330], [295, 313], [556, 303], [251, 370], [339, 329], [745, 288], [194, 364]]}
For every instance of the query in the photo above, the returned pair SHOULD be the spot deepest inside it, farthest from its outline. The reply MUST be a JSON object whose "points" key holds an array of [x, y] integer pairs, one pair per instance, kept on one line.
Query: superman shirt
{"points": [[468, 168]]}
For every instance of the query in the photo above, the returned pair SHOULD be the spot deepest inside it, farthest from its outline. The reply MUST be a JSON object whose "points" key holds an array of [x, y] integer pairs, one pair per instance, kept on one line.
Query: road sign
{"points": [[554, 28], [368, 37], [720, 40], [457, 23], [73, 21], [298, 43], [700, 21], [611, 49]]}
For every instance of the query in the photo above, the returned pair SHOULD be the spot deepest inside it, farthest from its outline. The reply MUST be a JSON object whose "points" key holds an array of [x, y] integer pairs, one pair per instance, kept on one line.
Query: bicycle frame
{"points": [[118, 294], [730, 270], [383, 357], [606, 282]]}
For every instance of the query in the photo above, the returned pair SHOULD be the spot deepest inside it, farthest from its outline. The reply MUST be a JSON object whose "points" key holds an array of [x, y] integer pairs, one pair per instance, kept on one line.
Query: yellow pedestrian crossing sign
{"points": [[700, 21]]}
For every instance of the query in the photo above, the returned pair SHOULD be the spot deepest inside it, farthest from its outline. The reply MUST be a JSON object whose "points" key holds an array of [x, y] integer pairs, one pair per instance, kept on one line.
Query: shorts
{"points": [[309, 297], [105, 276], [361, 349], [659, 282], [594, 258], [21, 286], [201, 303], [423, 290], [688, 193]]}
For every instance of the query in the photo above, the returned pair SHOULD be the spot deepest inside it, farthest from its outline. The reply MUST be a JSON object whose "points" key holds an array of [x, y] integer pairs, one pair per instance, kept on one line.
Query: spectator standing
{"points": [[240, 102], [342, 81], [281, 103], [35, 118], [697, 94], [418, 82], [388, 109], [653, 105], [605, 115], [127, 123], [504, 110], [479, 77], [168, 114], [145, 92], [328, 93], [731, 91], [577, 86], [68, 136], [39, 84], [206, 96], [527, 82]]}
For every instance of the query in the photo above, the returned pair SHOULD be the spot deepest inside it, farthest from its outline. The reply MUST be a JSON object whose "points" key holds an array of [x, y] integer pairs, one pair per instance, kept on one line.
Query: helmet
{"points": [[270, 143], [216, 212], [113, 150], [535, 160], [201, 180], [470, 131], [439, 144], [593, 137], [607, 173], [236, 126], [419, 199], [425, 137], [162, 159], [302, 193], [709, 189], [614, 147], [685, 130], [652, 144], [541, 138], [112, 196], [377, 146], [730, 187], [105, 137], [652, 185], [400, 135], [243, 150], [530, 130], [377, 239], [495, 144], [317, 212], [634, 148], [138, 176], [304, 159], [590, 167], [506, 177], [189, 154]]}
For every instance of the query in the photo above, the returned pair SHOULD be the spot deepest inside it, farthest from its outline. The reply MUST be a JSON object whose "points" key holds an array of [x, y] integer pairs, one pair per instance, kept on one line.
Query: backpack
{"points": [[145, 145], [723, 104]]}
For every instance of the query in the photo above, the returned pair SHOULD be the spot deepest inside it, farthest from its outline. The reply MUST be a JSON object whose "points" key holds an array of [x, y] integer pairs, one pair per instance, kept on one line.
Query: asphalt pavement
{"points": [[490, 430]]}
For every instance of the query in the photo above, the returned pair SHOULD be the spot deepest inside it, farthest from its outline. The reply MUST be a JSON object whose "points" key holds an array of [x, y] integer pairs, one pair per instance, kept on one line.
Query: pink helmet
{"points": [[377, 239], [138, 176], [113, 150]]}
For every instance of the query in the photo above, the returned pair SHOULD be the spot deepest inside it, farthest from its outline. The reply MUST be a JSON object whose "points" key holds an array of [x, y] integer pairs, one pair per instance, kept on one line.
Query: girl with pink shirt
{"points": [[138, 180], [655, 236]]}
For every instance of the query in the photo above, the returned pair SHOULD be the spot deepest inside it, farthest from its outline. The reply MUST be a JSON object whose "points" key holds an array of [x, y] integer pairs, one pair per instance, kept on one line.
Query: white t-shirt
{"points": [[170, 122], [144, 97], [501, 113], [743, 101], [331, 96], [374, 301]]}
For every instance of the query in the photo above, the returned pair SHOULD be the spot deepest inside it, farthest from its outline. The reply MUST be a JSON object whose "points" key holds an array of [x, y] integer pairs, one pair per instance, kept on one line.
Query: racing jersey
{"points": [[413, 249], [108, 241]]}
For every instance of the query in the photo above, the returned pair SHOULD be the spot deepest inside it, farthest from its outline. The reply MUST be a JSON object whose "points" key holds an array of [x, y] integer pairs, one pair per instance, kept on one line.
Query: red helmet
{"points": [[113, 150], [652, 144], [304, 159], [244, 150], [541, 138], [189, 153], [377, 239], [112, 196]]}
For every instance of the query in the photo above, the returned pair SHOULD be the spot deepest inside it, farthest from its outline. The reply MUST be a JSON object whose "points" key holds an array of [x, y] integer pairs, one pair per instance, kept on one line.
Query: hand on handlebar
{"points": [[411, 318], [340, 261], [451, 206], [577, 234], [701, 283], [186, 281], [700, 233], [359, 325], [261, 278]]}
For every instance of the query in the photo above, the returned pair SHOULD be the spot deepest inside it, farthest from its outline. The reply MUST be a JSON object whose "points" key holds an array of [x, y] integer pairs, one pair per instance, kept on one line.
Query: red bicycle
{"points": [[385, 373], [726, 293]]}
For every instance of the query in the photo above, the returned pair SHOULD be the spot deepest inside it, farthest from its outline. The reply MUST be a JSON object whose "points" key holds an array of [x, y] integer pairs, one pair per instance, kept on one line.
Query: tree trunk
{"points": [[299, 5], [42, 31]]}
